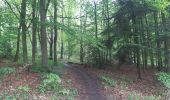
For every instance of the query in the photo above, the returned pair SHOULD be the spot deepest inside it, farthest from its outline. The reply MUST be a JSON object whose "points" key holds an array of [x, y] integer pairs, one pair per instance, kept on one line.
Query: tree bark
{"points": [[51, 44], [159, 58], [43, 33], [18, 45], [34, 28], [23, 27]]}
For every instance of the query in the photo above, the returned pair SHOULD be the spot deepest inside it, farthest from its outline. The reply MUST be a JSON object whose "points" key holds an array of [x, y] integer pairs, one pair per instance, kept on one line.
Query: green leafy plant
{"points": [[24, 88], [6, 70], [133, 96], [15, 95], [151, 98], [50, 83], [164, 78], [64, 91], [108, 81]]}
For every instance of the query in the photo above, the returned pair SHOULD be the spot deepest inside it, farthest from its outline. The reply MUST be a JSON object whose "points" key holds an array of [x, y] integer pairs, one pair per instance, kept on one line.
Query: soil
{"points": [[88, 86]]}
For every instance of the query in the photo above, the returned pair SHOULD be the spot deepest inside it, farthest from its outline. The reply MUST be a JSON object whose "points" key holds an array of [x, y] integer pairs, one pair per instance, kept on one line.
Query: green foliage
{"points": [[68, 94], [38, 69], [164, 78], [57, 69], [133, 96], [108, 81], [6, 70], [15, 95], [151, 98], [24, 88], [50, 83], [125, 81]]}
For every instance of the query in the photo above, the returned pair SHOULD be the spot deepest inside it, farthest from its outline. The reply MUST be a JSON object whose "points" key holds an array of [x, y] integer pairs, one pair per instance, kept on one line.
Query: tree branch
{"points": [[11, 8]]}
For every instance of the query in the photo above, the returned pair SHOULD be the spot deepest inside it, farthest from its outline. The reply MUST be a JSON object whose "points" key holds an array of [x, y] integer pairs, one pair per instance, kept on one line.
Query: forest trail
{"points": [[89, 87]]}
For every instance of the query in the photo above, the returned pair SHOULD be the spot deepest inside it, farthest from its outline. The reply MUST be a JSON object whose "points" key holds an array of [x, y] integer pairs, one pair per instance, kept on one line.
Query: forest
{"points": [[84, 50]]}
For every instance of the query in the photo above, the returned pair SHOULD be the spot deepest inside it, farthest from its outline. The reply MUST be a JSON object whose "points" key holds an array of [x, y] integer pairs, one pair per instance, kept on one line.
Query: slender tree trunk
{"points": [[137, 49], [62, 36], [159, 59], [43, 33], [81, 52], [23, 27], [34, 29], [96, 34], [18, 45], [51, 45], [149, 44], [55, 32], [168, 61], [166, 53]]}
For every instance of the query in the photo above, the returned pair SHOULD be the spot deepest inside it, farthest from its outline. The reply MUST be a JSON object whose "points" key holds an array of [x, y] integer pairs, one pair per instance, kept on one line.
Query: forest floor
{"points": [[88, 84], [127, 86]]}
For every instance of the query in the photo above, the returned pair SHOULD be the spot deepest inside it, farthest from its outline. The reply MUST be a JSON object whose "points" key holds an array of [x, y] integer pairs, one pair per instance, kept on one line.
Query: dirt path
{"points": [[90, 88]]}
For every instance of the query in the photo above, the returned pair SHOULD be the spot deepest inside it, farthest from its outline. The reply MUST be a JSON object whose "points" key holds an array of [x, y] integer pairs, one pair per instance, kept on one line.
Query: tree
{"points": [[55, 32], [43, 12], [23, 28], [34, 30]]}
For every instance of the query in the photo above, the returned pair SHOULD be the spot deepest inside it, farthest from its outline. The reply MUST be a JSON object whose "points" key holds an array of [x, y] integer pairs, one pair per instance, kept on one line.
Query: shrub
{"points": [[164, 78], [108, 81]]}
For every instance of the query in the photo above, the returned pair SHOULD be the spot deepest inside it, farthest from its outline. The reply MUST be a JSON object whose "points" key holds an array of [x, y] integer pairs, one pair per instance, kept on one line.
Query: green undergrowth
{"points": [[124, 82], [135, 96], [6, 70], [57, 69], [20, 93], [108, 81], [164, 78], [53, 83]]}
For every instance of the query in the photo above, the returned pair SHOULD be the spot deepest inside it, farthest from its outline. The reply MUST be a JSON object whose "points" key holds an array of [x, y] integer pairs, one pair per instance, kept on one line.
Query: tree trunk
{"points": [[18, 45], [96, 34], [55, 32], [23, 27], [51, 45], [43, 33], [159, 58], [168, 62], [34, 28]]}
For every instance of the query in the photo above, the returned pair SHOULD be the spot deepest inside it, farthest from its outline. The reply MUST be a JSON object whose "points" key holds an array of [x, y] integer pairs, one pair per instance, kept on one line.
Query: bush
{"points": [[6, 70], [108, 81], [164, 78]]}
